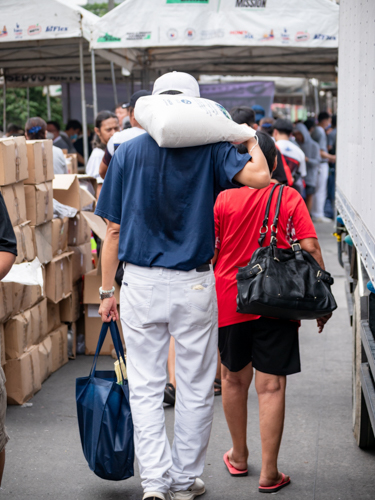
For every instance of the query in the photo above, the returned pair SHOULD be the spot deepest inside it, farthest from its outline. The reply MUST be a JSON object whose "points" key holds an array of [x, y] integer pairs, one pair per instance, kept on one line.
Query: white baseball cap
{"points": [[177, 81]]}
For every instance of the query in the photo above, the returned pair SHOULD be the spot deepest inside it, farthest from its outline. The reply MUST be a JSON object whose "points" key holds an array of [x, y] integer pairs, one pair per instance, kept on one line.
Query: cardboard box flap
{"points": [[96, 224], [66, 190], [86, 197], [63, 181]]}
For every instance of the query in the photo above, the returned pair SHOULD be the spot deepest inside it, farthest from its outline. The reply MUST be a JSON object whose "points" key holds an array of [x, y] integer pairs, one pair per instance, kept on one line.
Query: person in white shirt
{"points": [[294, 156], [125, 135], [106, 125]]}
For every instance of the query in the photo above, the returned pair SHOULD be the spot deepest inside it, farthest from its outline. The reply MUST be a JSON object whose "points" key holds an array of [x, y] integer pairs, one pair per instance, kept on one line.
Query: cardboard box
{"points": [[79, 230], [91, 284], [59, 235], [13, 160], [53, 316], [39, 203], [45, 358], [25, 296], [39, 322], [72, 341], [66, 190], [40, 161], [6, 301], [15, 201], [72, 163], [70, 308], [81, 261], [23, 377], [2, 345], [59, 339], [25, 244], [59, 277], [42, 240], [93, 325], [18, 336]]}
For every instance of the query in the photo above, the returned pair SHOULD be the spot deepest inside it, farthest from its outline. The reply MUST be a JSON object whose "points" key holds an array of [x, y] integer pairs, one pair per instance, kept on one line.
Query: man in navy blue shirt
{"points": [[159, 204]]}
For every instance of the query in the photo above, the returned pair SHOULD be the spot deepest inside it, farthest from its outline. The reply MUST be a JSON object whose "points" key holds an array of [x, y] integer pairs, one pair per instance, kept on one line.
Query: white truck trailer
{"points": [[355, 200]]}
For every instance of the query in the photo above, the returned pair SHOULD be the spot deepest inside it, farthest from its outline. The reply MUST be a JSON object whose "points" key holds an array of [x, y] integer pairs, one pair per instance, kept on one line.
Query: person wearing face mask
{"points": [[73, 130], [106, 124], [36, 129], [125, 135]]}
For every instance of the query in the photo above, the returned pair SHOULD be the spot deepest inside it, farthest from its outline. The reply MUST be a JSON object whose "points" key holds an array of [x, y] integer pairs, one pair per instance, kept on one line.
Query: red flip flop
{"points": [[232, 470], [275, 487]]}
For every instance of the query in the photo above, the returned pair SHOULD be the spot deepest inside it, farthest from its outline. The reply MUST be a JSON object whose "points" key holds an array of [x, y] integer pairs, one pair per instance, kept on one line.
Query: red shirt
{"points": [[239, 215]]}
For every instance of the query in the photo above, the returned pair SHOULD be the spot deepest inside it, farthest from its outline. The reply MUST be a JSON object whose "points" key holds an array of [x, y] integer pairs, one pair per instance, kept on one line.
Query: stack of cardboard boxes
{"points": [[38, 327], [28, 352]]}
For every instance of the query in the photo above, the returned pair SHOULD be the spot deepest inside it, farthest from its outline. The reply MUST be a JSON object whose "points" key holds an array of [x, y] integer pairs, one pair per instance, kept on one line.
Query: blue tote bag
{"points": [[104, 417]]}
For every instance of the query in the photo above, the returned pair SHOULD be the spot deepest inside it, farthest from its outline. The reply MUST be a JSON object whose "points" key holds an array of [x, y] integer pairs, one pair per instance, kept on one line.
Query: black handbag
{"points": [[283, 283]]}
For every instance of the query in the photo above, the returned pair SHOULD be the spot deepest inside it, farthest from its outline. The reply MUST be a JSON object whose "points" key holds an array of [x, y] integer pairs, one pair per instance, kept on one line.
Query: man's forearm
{"points": [[6, 262], [109, 259], [255, 173]]}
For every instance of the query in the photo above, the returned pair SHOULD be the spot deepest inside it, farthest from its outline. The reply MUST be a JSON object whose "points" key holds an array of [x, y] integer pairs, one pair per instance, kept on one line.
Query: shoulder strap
{"points": [[287, 171], [276, 219], [266, 217]]}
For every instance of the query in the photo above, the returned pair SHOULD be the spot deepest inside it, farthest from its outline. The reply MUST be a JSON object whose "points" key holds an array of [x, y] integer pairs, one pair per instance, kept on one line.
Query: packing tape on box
{"points": [[32, 378], [62, 279], [46, 206], [61, 234], [5, 300], [23, 241], [40, 322], [61, 348], [24, 331], [18, 162], [16, 204], [44, 154], [23, 297]]}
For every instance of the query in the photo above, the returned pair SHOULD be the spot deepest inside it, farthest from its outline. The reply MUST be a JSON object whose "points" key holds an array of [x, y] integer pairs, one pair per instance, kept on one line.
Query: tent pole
{"points": [[83, 100], [28, 102], [94, 92], [316, 99], [114, 83], [48, 104], [4, 105]]}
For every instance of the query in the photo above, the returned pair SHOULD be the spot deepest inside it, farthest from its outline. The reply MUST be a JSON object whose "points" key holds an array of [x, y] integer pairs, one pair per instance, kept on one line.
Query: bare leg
{"points": [[218, 370], [271, 395], [2, 464], [235, 387], [172, 363], [309, 202]]}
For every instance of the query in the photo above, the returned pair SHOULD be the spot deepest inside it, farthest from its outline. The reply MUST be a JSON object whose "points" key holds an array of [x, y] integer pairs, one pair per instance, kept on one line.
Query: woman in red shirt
{"points": [[247, 341]]}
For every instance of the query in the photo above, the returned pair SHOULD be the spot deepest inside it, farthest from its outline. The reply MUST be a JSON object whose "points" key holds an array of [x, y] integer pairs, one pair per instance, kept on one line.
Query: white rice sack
{"points": [[178, 121]]}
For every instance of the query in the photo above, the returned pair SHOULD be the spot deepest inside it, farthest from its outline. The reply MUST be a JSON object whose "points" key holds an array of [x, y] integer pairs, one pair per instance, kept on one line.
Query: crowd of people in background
{"points": [[306, 151]]}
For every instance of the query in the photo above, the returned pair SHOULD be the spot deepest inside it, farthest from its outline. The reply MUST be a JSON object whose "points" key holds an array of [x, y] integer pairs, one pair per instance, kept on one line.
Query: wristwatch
{"points": [[106, 294]]}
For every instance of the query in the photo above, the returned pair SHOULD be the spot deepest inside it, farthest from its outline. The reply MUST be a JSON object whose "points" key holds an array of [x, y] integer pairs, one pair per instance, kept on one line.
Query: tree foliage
{"points": [[16, 105], [98, 8]]}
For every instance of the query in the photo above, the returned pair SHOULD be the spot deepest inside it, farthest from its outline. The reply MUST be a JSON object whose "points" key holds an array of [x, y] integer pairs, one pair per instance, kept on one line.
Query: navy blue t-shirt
{"points": [[163, 199]]}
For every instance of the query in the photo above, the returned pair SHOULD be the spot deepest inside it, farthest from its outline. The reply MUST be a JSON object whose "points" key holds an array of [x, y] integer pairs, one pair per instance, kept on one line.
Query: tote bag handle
{"points": [[115, 334]]}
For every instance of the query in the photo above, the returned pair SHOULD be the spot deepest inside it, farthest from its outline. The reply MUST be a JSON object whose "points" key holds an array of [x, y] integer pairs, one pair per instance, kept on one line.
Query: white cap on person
{"points": [[178, 82]]}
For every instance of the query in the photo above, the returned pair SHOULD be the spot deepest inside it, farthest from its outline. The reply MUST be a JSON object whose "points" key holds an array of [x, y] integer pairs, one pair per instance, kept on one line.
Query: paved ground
{"points": [[45, 461]]}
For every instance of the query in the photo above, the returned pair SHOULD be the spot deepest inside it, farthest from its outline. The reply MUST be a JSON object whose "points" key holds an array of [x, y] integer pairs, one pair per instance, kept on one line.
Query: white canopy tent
{"points": [[44, 42], [237, 37]]}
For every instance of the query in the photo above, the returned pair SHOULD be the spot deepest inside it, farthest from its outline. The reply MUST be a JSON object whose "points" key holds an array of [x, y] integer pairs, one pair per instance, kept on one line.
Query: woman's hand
{"points": [[108, 310], [322, 321]]}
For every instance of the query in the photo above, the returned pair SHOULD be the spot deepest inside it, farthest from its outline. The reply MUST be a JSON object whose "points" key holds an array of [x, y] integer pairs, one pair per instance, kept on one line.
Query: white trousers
{"points": [[320, 195], [155, 304]]}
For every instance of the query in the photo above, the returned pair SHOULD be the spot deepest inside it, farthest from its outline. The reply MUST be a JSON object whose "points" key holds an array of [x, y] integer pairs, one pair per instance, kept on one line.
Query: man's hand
{"points": [[108, 310], [322, 321]]}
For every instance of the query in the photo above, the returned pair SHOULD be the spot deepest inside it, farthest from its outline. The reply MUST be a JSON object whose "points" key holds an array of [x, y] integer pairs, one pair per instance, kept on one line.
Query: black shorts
{"points": [[310, 190], [272, 346]]}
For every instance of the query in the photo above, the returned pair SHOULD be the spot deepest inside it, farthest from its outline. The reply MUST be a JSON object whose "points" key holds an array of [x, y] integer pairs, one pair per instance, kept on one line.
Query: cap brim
{"points": [[126, 106]]}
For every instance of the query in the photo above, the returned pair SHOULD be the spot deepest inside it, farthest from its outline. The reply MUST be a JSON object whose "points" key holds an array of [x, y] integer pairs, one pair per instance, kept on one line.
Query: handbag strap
{"points": [[266, 217], [117, 343], [276, 218]]}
